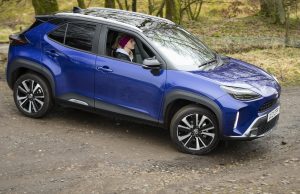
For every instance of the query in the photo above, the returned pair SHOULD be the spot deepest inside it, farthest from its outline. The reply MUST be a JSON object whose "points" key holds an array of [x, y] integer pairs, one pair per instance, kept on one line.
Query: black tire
{"points": [[186, 138], [29, 100]]}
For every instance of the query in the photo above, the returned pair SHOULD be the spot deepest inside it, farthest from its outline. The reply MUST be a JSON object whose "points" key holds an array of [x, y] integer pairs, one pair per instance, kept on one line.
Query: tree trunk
{"points": [[119, 4], [81, 4], [273, 9], [133, 5], [173, 10], [150, 7], [280, 12], [264, 8], [110, 4], [127, 5], [42, 7], [287, 27], [160, 11]]}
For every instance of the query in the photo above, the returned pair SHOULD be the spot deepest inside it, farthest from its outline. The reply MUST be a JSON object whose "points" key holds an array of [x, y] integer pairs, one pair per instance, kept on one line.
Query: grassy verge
{"points": [[241, 34], [284, 63]]}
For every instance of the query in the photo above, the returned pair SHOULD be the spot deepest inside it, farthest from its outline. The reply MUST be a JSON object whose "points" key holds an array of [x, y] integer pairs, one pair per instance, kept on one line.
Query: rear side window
{"points": [[59, 34], [80, 36]]}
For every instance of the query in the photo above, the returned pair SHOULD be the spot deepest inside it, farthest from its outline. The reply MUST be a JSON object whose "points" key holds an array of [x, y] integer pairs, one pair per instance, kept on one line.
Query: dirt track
{"points": [[71, 151]]}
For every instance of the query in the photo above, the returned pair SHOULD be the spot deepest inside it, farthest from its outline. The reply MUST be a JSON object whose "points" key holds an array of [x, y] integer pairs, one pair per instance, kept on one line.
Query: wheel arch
{"points": [[179, 98], [19, 67]]}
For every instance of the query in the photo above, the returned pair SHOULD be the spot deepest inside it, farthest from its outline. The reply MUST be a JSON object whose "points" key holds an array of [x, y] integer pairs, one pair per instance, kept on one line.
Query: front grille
{"points": [[266, 126], [267, 105]]}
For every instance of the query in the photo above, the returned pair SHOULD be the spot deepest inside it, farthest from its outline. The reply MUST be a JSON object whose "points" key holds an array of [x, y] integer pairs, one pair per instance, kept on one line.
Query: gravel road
{"points": [[72, 151]]}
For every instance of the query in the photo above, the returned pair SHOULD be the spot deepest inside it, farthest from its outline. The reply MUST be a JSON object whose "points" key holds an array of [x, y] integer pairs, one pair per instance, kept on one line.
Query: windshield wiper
{"points": [[210, 61]]}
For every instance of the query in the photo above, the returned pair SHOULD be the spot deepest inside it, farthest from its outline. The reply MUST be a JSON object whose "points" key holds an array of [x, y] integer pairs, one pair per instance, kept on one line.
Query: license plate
{"points": [[273, 113]]}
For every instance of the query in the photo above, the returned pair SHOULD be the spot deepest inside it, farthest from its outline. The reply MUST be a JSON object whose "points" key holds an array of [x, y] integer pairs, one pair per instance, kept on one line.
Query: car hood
{"points": [[240, 74]]}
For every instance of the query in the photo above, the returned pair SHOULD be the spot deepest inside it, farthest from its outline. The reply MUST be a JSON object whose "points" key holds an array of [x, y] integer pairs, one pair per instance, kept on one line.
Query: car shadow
{"points": [[226, 153]]}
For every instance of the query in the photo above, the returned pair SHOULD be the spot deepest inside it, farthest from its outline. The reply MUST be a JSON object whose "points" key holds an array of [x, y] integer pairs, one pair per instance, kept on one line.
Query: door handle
{"points": [[52, 53], [104, 68]]}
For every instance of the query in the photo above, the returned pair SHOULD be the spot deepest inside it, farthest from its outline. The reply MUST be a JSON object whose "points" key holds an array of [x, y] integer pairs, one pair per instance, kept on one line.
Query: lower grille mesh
{"points": [[265, 127], [267, 105]]}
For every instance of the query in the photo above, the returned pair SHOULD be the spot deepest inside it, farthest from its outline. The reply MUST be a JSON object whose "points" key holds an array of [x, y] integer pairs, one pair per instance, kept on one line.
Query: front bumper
{"points": [[258, 128]]}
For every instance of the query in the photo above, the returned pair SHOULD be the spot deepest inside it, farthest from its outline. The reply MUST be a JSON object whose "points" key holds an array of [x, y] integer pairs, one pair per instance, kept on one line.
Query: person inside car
{"points": [[126, 45]]}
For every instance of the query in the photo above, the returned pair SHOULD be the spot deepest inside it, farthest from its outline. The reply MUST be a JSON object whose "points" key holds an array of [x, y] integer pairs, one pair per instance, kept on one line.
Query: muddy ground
{"points": [[72, 151]]}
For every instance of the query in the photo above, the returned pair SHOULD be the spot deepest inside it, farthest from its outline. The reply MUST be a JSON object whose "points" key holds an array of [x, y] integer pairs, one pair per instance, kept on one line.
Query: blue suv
{"points": [[174, 80]]}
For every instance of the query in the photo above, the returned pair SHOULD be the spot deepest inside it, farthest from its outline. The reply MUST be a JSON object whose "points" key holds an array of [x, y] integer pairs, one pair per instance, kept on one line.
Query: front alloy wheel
{"points": [[194, 130]]}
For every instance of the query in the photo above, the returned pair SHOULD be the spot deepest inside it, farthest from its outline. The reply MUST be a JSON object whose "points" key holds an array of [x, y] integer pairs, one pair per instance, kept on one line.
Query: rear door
{"points": [[71, 51]]}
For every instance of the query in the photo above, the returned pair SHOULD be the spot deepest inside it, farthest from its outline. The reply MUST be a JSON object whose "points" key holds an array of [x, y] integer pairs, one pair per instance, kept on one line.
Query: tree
{"points": [[160, 11], [110, 4], [81, 4], [154, 6], [192, 8], [42, 7], [274, 9], [133, 5], [150, 7], [173, 10]]}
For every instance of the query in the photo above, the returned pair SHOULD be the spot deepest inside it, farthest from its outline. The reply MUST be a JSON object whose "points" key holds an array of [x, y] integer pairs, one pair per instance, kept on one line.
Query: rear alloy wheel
{"points": [[194, 130], [32, 95]]}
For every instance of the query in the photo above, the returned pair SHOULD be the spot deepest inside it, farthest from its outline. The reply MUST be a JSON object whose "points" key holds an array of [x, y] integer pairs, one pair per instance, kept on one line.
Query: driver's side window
{"points": [[124, 46]]}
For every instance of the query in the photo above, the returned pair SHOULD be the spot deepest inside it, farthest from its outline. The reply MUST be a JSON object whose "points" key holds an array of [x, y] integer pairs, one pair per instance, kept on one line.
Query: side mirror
{"points": [[151, 63]]}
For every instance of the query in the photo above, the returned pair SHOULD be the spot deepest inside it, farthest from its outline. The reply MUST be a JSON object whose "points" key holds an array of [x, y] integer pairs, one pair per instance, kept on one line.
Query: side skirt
{"points": [[109, 111]]}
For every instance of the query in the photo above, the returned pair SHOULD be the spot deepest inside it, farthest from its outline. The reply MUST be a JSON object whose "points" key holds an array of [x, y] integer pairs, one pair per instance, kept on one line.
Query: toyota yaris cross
{"points": [[175, 81]]}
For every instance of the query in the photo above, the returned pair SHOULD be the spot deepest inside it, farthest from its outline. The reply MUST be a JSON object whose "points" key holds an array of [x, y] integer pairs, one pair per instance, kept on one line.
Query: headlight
{"points": [[241, 93]]}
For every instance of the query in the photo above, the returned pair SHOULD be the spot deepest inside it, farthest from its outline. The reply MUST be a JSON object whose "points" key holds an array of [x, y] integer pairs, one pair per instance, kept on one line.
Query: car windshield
{"points": [[183, 49]]}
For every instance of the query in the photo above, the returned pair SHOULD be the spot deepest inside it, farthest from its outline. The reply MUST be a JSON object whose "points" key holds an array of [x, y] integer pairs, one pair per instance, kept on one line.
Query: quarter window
{"points": [[58, 34], [80, 36]]}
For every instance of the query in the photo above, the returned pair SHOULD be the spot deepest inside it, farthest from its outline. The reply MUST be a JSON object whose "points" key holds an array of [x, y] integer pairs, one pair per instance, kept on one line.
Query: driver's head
{"points": [[127, 41]]}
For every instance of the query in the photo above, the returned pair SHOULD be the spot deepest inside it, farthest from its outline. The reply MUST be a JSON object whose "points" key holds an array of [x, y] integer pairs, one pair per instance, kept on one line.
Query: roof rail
{"points": [[98, 18], [77, 10], [130, 12]]}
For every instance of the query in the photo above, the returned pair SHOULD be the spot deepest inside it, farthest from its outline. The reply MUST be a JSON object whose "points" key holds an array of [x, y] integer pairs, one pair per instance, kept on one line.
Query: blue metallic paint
{"points": [[69, 65], [130, 86]]}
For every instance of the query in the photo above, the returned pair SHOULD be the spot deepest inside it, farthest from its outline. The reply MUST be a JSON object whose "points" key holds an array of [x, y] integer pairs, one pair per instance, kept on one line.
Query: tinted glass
{"points": [[80, 36], [148, 51], [58, 34], [182, 48]]}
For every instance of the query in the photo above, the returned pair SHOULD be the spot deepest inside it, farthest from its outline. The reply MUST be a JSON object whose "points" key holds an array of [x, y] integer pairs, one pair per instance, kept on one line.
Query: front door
{"points": [[125, 87]]}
